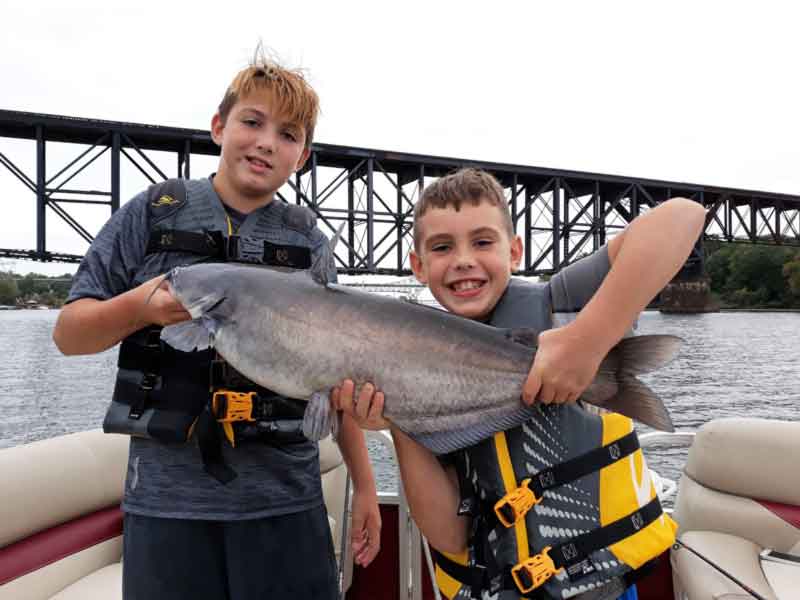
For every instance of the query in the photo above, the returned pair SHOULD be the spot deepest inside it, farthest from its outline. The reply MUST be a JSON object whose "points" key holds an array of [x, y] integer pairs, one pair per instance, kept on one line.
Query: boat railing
{"points": [[665, 488], [412, 545]]}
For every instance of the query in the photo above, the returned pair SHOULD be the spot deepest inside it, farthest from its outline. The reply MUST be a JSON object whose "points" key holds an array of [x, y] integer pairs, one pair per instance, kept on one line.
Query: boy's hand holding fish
{"points": [[366, 407], [565, 364]]}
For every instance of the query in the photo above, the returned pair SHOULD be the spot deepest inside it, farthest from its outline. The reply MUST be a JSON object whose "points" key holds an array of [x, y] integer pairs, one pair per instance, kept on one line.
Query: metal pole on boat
{"points": [[720, 569], [344, 546]]}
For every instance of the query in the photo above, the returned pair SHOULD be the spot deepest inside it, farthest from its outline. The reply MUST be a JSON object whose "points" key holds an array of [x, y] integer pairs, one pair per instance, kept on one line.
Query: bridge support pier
{"points": [[690, 290], [688, 296]]}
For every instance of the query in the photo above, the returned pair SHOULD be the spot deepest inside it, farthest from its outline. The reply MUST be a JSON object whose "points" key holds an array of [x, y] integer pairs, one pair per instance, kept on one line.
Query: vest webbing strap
{"points": [[473, 577], [209, 440], [575, 468], [510, 483], [214, 245], [210, 243], [574, 554], [294, 257], [583, 465], [576, 549]]}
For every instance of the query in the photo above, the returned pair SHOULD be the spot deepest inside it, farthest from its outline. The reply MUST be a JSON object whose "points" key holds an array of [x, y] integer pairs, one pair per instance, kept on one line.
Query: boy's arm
{"points": [[104, 306], [90, 325], [430, 488], [432, 493], [366, 527], [644, 258]]}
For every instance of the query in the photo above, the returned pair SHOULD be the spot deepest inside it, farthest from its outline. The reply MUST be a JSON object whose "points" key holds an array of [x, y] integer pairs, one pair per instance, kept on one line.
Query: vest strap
{"points": [[472, 576], [515, 504], [214, 245], [209, 243], [573, 555], [209, 439], [284, 255], [151, 374]]}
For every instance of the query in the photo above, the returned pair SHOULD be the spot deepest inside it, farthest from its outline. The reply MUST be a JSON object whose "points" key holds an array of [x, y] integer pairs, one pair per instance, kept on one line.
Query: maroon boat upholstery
{"points": [[60, 522], [739, 495]]}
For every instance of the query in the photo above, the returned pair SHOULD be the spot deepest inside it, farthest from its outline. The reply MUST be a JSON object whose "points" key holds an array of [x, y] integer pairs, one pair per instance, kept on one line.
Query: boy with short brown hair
{"points": [[216, 521], [465, 251]]}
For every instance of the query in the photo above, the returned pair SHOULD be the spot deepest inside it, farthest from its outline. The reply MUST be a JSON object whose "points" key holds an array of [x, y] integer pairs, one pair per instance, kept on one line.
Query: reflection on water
{"points": [[732, 364]]}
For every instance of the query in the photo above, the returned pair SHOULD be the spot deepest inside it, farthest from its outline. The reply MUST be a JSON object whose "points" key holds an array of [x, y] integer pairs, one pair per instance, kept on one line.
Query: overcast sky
{"points": [[701, 92]]}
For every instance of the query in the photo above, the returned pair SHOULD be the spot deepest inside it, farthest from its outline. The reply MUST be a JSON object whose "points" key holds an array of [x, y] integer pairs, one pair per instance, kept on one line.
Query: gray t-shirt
{"points": [[168, 480]]}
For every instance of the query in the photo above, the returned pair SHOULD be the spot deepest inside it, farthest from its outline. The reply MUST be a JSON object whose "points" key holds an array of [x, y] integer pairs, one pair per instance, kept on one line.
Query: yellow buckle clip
{"points": [[229, 407], [515, 504], [533, 572]]}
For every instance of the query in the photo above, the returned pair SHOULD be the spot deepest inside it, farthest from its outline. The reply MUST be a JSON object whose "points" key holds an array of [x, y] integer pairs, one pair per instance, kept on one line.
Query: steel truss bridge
{"points": [[561, 215]]}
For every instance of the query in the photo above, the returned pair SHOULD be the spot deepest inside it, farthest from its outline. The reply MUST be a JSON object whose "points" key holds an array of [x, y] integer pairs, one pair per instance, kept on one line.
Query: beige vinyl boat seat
{"points": [[60, 523], [739, 495]]}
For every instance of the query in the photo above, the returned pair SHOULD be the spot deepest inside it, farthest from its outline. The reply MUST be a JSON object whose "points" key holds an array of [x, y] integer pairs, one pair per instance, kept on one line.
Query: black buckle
{"points": [[147, 385], [137, 410], [149, 382], [233, 248], [152, 338], [215, 242]]}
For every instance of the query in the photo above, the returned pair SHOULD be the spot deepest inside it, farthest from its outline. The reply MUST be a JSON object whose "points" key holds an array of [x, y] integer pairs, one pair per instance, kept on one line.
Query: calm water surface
{"points": [[733, 364]]}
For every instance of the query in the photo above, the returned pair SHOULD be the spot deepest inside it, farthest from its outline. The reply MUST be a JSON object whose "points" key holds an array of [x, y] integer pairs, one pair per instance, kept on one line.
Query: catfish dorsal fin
{"points": [[319, 270], [524, 336]]}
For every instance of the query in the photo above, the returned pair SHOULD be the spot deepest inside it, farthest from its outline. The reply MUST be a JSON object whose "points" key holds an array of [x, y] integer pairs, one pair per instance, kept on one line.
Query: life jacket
{"points": [[168, 395], [563, 504]]}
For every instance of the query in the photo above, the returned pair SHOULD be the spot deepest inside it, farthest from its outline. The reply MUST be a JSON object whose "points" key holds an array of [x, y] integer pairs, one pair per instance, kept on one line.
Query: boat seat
{"points": [[739, 494], [104, 584], [60, 522], [59, 513]]}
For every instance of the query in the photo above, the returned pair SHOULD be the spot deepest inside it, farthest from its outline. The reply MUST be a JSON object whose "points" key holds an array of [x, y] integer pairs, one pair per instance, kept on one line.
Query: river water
{"points": [[732, 364]]}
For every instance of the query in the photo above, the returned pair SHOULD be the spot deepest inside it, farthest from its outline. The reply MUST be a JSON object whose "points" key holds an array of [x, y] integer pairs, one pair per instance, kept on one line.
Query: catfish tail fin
{"points": [[616, 387]]}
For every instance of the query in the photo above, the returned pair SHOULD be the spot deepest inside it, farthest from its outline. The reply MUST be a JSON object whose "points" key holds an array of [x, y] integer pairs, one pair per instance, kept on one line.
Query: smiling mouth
{"points": [[467, 285], [258, 163]]}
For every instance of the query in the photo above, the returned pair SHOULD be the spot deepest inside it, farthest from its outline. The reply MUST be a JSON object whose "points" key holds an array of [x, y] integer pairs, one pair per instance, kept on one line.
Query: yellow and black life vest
{"points": [[561, 505]]}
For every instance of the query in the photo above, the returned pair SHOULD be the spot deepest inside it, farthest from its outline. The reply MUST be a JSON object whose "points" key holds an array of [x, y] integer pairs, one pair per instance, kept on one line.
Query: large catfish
{"points": [[448, 381]]}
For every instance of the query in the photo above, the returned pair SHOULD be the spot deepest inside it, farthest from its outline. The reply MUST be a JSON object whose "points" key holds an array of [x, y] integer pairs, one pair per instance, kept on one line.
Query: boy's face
{"points": [[259, 151], [466, 257]]}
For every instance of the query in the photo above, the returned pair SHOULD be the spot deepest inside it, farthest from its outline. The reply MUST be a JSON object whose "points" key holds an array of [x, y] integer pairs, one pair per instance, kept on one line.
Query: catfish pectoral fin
{"points": [[188, 336], [637, 401], [317, 417]]}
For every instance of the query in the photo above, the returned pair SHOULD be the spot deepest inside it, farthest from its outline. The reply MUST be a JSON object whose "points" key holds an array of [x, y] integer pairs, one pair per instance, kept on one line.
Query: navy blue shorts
{"points": [[284, 557]]}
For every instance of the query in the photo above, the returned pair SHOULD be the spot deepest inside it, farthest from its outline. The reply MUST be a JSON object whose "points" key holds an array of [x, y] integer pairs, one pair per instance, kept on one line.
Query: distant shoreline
{"points": [[765, 310], [730, 310]]}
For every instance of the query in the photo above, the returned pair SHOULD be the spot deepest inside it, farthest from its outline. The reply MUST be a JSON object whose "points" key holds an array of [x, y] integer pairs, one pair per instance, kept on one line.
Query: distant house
{"points": [[35, 305]]}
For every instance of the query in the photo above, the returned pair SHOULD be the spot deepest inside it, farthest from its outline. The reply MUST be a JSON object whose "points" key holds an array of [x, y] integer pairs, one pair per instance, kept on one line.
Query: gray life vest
{"points": [[163, 394]]}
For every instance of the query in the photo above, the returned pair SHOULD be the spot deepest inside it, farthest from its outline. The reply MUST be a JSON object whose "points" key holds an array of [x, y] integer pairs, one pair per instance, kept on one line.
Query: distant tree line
{"points": [[754, 276], [742, 276], [20, 290]]}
